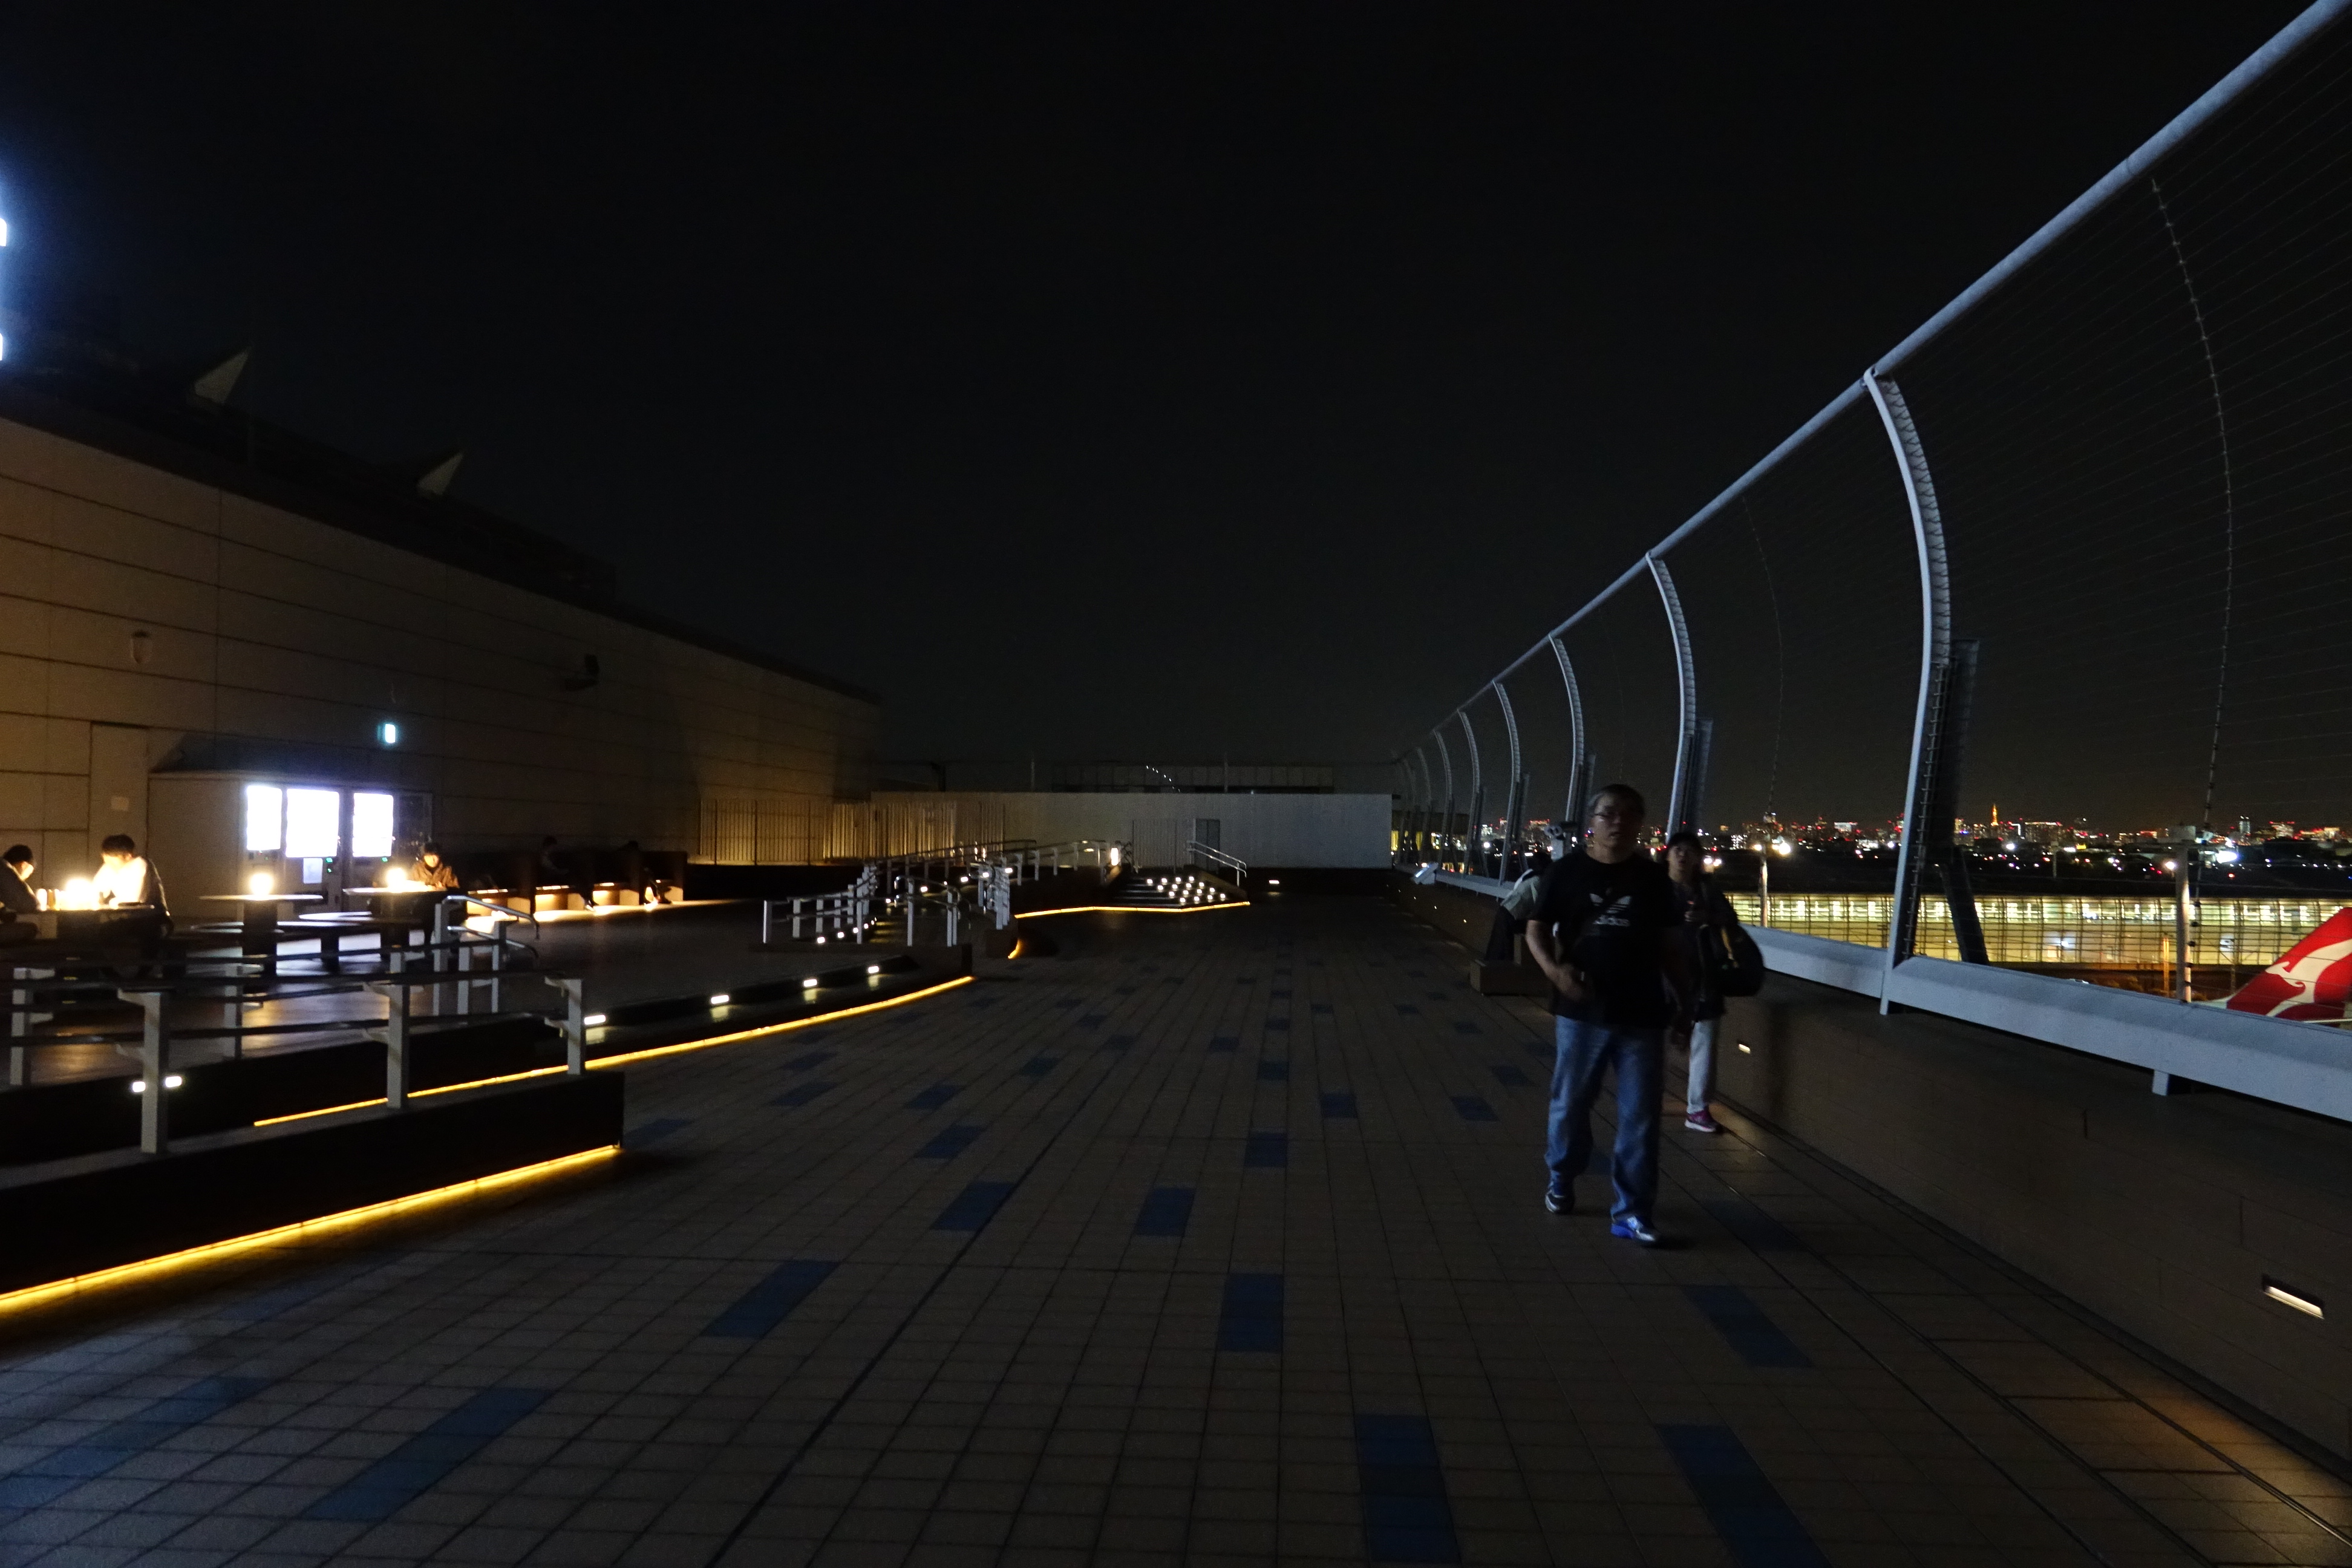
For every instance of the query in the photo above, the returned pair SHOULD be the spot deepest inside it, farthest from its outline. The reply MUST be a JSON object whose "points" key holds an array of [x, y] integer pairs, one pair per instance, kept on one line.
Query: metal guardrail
{"points": [[1210, 858]]}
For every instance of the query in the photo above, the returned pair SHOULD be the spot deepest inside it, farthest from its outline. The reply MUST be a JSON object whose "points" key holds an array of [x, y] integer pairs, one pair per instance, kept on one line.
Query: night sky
{"points": [[1141, 381]]}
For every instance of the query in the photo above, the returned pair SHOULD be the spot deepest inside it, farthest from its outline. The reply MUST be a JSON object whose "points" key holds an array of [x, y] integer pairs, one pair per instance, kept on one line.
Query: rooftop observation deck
{"points": [[1213, 1239]]}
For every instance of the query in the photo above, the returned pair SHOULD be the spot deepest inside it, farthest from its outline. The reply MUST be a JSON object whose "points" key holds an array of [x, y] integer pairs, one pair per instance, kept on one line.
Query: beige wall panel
{"points": [[268, 575], [28, 456], [92, 475], [87, 583], [64, 747], [26, 632], [24, 684], [318, 545], [104, 641], [296, 673], [327, 630], [24, 743], [126, 696], [29, 565], [132, 540], [278, 717], [26, 512], [65, 803], [24, 797]]}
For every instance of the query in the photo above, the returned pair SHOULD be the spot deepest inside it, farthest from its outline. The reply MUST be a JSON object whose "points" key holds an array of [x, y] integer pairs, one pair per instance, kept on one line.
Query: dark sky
{"points": [[1148, 382]]}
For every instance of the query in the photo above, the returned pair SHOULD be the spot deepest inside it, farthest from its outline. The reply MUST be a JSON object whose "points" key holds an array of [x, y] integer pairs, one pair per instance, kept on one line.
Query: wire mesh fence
{"points": [[2034, 648]]}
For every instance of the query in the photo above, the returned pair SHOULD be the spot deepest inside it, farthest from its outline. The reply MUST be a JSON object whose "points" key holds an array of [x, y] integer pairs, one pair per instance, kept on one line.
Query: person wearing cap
{"points": [[429, 870]]}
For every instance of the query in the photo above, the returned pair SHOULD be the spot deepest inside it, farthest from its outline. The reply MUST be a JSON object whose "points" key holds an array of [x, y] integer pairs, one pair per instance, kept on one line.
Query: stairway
{"points": [[1171, 889]]}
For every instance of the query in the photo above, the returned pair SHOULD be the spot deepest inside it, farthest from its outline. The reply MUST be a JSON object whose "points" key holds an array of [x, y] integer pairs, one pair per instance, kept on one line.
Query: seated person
{"points": [[430, 870], [16, 895], [125, 878]]}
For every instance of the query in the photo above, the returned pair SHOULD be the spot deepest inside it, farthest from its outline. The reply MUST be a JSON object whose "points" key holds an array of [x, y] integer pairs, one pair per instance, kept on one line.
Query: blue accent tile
{"points": [[1118, 1042], [1471, 1107], [1226, 1043], [1279, 1024], [931, 1099], [1543, 1051], [1251, 1317], [1038, 1067], [1281, 994], [1268, 1150], [948, 1142], [1436, 995], [1245, 979], [770, 1302], [1508, 1076], [1124, 990], [1068, 1002], [806, 1060], [1339, 1107], [800, 1095], [1406, 1009], [974, 1206], [1750, 1516], [653, 1131], [1407, 1518], [1464, 1027], [1273, 1072], [409, 1471], [1166, 1212], [53, 1475], [1752, 1225], [1322, 1008], [1094, 1020], [1744, 1326]]}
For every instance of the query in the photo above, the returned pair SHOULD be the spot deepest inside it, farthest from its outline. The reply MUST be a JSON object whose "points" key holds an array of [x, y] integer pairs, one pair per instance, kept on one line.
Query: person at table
{"points": [[429, 870], [16, 895], [126, 879]]}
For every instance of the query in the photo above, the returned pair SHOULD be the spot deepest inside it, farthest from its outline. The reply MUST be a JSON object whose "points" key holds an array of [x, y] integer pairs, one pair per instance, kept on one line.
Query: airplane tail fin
{"points": [[2312, 982]]}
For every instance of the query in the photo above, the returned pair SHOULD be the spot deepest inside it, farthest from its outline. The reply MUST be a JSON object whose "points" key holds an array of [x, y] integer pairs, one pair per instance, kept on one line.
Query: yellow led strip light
{"points": [[1131, 909], [640, 1056], [33, 1294]]}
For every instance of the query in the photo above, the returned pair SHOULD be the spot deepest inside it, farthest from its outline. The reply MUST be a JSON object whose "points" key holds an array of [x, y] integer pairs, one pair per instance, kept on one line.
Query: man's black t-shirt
{"points": [[1611, 921]]}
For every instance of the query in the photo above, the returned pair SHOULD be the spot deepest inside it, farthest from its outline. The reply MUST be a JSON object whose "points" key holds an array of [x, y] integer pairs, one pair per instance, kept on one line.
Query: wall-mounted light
{"points": [[2311, 1305], [1744, 1049], [387, 733]]}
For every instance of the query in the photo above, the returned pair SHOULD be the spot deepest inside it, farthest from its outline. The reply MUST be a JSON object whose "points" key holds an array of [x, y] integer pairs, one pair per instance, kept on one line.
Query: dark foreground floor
{"points": [[1208, 1238]]}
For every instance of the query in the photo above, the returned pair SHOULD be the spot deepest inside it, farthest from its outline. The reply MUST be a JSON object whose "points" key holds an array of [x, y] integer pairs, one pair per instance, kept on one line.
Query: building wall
{"points": [[1302, 830], [275, 644]]}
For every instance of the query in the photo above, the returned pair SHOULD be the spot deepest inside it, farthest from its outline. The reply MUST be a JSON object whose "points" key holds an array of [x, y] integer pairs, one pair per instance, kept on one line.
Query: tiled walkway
{"points": [[1207, 1238]]}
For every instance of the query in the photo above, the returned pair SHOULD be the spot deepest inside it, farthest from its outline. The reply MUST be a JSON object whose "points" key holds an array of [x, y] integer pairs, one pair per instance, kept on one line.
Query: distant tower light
{"points": [[388, 733]]}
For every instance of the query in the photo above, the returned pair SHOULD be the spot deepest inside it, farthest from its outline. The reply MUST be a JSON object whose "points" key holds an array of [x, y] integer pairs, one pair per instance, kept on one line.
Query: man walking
{"points": [[1604, 934]]}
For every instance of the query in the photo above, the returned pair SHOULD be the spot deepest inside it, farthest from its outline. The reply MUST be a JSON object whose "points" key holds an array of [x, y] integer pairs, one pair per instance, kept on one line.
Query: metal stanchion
{"points": [[154, 1052], [575, 1026]]}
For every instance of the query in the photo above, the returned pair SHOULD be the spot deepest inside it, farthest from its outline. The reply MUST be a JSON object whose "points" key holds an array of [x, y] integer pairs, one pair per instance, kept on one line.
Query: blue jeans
{"points": [[1584, 1052]]}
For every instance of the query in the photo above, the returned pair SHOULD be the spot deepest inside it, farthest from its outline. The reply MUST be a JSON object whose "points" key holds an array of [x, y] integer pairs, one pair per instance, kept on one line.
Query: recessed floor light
{"points": [[721, 1000]]}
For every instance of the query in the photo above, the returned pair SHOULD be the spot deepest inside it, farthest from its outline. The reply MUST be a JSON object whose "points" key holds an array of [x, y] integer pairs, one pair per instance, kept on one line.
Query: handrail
{"points": [[1216, 856]]}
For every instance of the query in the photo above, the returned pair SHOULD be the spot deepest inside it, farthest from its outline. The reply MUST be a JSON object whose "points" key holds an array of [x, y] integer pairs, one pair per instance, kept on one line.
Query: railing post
{"points": [[1679, 803], [1445, 760], [20, 1023], [768, 922], [1935, 665], [395, 1034], [154, 1066], [575, 1025], [1572, 818], [1473, 834]]}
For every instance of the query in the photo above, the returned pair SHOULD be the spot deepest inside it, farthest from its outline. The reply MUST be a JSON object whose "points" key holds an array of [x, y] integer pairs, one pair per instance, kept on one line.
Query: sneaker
{"points": [[1557, 1201], [1633, 1229], [1700, 1122]]}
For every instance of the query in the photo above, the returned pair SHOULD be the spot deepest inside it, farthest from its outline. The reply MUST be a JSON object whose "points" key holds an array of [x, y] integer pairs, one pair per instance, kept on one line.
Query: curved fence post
{"points": [[1513, 794], [1473, 834], [1572, 815], [1935, 671], [1444, 823], [1679, 804]]}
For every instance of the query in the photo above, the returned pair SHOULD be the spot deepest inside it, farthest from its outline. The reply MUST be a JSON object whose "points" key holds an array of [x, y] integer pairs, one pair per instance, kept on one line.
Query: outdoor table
{"points": [[262, 913]]}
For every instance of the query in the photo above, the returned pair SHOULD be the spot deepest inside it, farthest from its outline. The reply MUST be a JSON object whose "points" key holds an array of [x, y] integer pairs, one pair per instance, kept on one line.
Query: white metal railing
{"points": [[1210, 858], [825, 916]]}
